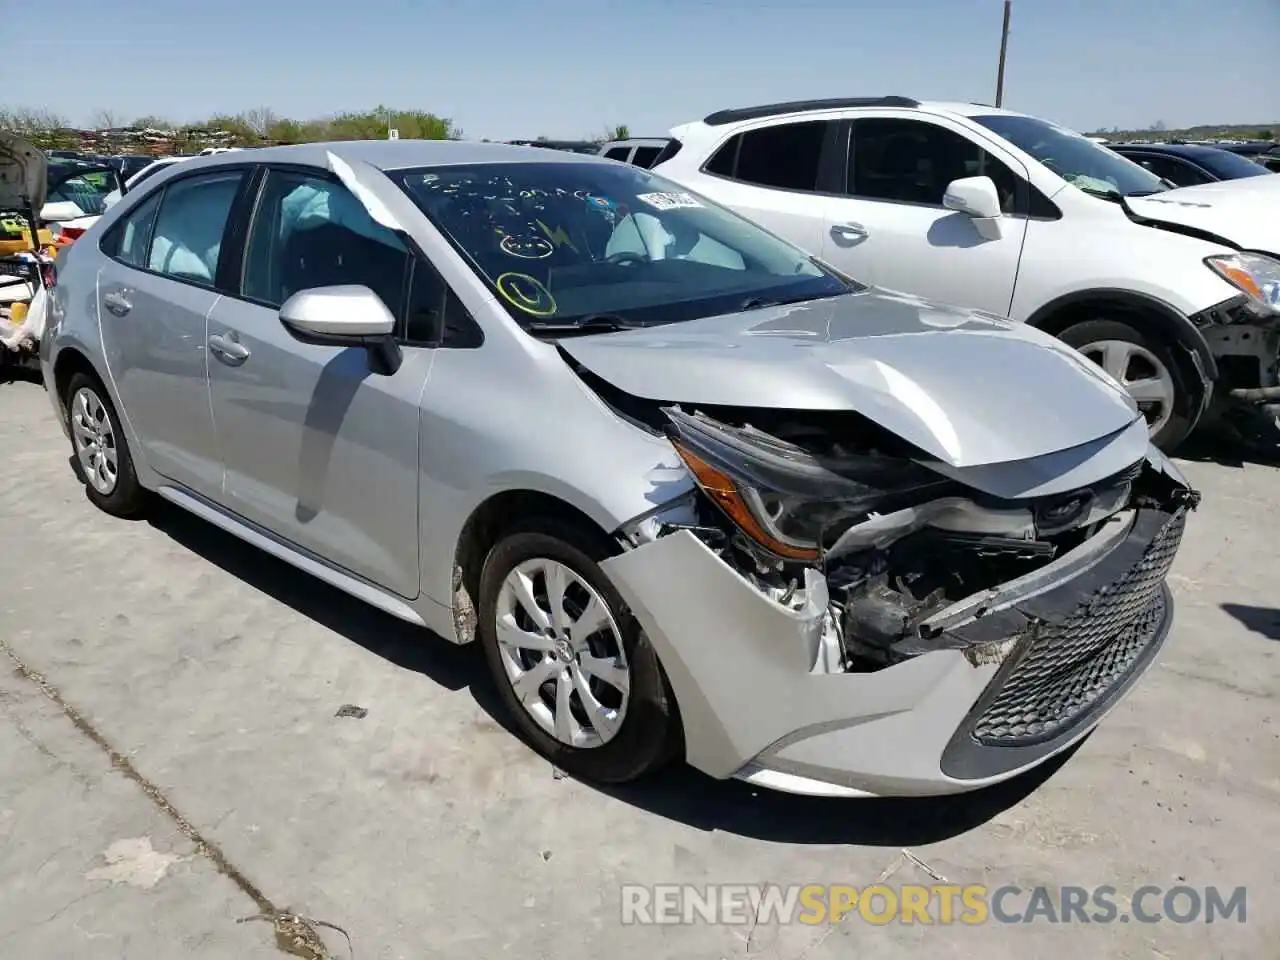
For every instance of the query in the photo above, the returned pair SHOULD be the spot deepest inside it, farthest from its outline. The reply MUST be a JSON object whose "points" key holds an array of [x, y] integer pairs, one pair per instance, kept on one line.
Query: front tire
{"points": [[1148, 368], [571, 663], [101, 453]]}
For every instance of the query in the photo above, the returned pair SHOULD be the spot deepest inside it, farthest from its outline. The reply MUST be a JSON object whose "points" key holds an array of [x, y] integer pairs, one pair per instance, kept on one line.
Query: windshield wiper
{"points": [[591, 323], [1113, 194]]}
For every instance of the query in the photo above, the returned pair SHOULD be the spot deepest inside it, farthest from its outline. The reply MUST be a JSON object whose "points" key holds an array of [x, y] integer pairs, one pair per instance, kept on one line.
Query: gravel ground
{"points": [[173, 763]]}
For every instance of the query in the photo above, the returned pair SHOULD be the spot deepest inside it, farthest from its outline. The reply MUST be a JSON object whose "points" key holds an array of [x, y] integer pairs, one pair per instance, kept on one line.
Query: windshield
{"points": [[564, 242], [1075, 158], [85, 186], [1231, 166]]}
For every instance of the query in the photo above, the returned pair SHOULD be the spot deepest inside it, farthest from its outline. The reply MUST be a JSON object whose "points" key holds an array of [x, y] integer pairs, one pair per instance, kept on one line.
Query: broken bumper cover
{"points": [[1006, 691]]}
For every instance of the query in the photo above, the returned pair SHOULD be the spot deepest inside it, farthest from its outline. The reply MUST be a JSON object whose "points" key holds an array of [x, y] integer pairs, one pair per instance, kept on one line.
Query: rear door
{"points": [[318, 449], [779, 174], [889, 226], [154, 295]]}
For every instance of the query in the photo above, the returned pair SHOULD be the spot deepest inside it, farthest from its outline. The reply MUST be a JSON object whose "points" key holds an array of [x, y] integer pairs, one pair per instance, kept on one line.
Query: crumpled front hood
{"points": [[1245, 212], [23, 172], [967, 388]]}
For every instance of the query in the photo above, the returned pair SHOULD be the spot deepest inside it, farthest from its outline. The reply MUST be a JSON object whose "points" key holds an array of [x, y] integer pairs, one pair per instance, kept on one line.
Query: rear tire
{"points": [[1149, 368], [618, 721], [100, 451]]}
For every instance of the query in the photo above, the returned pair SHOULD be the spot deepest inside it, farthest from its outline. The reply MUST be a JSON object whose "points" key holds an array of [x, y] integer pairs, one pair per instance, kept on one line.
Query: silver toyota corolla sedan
{"points": [[696, 494]]}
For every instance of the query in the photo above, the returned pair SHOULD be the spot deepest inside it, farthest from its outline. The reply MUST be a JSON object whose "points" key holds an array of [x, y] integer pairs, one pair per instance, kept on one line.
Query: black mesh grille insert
{"points": [[1065, 667]]}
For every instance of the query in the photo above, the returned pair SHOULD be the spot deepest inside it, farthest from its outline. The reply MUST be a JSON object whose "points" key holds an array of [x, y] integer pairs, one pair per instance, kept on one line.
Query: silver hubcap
{"points": [[1140, 372], [95, 441], [563, 653]]}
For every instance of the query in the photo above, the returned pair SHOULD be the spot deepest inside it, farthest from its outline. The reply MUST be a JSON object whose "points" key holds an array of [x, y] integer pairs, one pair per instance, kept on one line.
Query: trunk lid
{"points": [[23, 172], [966, 388]]}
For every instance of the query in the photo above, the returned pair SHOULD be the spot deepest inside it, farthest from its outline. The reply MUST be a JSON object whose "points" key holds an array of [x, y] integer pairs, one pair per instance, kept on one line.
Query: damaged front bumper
{"points": [[996, 683]]}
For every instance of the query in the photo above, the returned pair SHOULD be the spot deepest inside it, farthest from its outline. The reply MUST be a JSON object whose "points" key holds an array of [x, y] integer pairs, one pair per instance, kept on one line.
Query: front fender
{"points": [[1172, 320]]}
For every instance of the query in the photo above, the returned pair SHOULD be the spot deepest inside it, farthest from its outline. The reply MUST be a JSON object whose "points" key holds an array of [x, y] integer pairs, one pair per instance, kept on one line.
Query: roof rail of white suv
{"points": [[721, 117]]}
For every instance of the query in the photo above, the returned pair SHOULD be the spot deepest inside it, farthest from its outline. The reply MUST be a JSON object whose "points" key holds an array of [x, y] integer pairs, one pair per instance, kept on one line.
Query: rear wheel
{"points": [[102, 458], [571, 663], [1147, 367]]}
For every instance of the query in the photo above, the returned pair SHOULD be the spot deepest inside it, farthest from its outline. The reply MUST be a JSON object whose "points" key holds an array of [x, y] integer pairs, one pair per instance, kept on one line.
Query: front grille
{"points": [[1063, 668]]}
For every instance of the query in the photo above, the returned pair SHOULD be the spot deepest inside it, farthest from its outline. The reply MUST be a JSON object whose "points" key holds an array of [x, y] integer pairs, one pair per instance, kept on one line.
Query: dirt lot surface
{"points": [[173, 762]]}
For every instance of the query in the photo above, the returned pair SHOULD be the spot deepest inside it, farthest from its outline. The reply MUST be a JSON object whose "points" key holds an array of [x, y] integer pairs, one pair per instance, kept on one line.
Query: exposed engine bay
{"points": [[906, 553]]}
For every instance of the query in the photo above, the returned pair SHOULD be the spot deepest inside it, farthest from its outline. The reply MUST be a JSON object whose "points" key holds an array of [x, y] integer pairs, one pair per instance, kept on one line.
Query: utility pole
{"points": [[1004, 46]]}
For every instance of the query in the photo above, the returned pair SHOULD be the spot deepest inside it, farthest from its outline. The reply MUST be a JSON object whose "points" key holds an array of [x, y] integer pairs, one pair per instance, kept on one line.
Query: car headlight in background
{"points": [[1258, 276], [783, 498]]}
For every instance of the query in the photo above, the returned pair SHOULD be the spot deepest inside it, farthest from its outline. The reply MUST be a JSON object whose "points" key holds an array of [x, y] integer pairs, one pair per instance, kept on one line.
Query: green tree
{"points": [[374, 124], [1264, 135], [242, 134]]}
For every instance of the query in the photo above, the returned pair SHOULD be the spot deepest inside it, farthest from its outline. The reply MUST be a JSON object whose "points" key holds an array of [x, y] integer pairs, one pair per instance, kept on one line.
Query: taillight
{"points": [[67, 234], [49, 272]]}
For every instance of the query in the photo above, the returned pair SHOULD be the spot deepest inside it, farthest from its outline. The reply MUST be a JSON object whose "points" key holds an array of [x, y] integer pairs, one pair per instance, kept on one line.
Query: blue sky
{"points": [[566, 68]]}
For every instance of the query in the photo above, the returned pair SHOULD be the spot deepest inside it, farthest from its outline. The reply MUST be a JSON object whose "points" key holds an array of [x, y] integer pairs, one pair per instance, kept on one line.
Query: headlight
{"points": [[783, 498], [1257, 275]]}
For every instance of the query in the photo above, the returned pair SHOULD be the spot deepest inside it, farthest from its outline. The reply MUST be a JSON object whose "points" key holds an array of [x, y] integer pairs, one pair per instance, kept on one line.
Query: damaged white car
{"points": [[696, 493]]}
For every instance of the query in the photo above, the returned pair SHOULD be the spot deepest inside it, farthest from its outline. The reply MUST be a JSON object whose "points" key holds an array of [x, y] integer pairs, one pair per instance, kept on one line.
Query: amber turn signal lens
{"points": [[723, 492]]}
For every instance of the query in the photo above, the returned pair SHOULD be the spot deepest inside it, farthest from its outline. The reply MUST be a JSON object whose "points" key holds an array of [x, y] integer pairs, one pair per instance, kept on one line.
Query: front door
{"points": [[891, 229], [153, 300], [318, 449]]}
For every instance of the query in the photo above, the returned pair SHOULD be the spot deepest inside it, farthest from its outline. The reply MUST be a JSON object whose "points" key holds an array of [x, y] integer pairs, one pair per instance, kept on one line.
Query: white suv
{"points": [[1010, 214]]}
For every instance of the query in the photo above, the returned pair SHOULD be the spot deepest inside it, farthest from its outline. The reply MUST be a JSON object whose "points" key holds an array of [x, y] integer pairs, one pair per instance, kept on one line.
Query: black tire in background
{"points": [[1187, 395], [649, 735]]}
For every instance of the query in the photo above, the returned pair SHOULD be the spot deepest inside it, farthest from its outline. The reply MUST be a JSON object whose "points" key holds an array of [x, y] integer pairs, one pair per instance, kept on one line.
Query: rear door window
{"points": [[129, 237], [786, 156], [187, 239]]}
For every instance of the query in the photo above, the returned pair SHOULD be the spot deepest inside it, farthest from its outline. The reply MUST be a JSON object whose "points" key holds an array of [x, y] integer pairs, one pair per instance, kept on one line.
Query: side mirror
{"points": [[977, 198], [60, 211], [345, 316]]}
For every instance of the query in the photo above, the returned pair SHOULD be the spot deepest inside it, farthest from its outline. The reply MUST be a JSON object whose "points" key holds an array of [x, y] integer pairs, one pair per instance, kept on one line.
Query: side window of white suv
{"points": [[910, 161], [786, 156]]}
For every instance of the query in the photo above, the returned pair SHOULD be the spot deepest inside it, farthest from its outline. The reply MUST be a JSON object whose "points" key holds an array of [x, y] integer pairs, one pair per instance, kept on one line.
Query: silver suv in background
{"points": [[695, 493]]}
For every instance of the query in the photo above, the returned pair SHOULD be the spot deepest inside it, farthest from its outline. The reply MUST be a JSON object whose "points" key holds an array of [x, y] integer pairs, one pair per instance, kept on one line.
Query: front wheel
{"points": [[571, 663], [1147, 367]]}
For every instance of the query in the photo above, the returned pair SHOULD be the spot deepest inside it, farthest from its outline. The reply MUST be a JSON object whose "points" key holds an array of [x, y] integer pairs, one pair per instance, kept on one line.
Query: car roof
{"points": [[800, 107], [397, 154], [1188, 150]]}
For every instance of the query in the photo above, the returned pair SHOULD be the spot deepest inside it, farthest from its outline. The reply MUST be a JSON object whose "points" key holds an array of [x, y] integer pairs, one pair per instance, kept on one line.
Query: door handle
{"points": [[117, 303], [228, 349], [849, 231]]}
